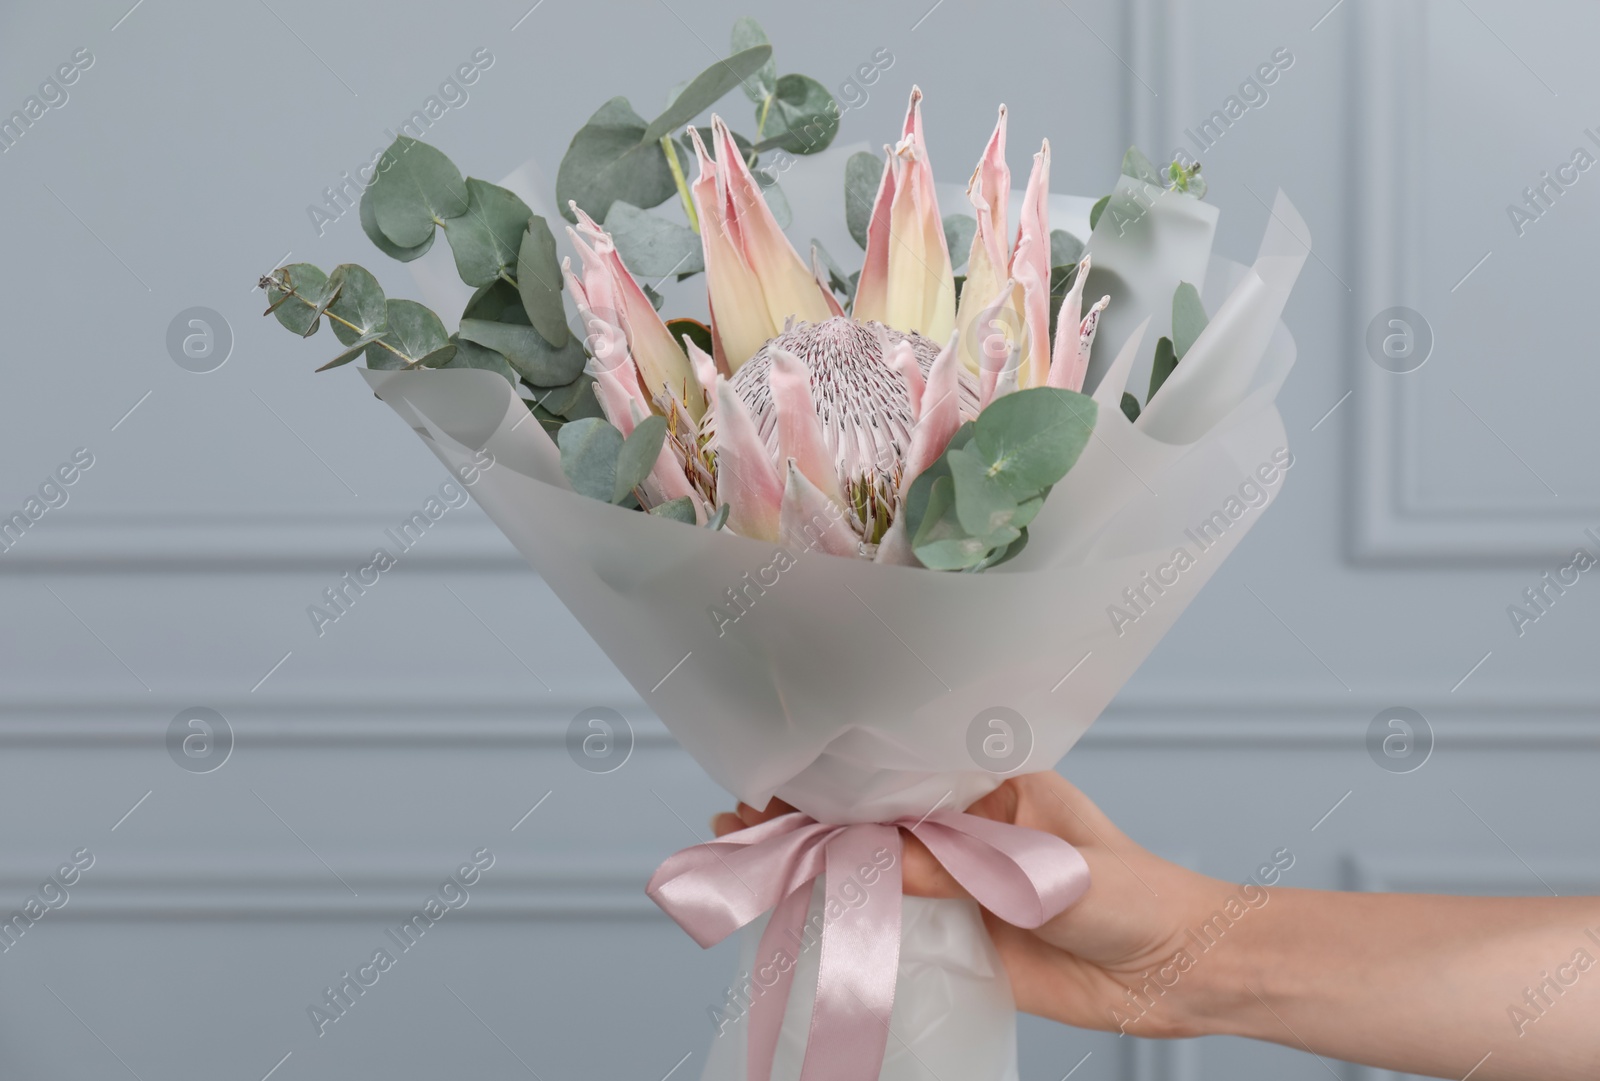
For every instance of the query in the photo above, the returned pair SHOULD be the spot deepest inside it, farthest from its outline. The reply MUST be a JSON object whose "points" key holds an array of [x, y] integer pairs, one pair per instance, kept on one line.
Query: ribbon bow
{"points": [[1024, 876]]}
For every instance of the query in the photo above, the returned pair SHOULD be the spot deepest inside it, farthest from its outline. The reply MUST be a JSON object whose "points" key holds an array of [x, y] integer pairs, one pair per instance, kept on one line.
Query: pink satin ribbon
{"points": [[1024, 876]]}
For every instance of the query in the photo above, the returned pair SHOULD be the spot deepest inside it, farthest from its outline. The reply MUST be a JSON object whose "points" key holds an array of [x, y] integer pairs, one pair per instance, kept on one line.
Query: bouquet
{"points": [[867, 542]]}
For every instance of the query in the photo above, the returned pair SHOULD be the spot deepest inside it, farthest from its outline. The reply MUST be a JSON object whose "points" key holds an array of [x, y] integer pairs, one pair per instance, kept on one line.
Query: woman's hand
{"points": [[1077, 968]]}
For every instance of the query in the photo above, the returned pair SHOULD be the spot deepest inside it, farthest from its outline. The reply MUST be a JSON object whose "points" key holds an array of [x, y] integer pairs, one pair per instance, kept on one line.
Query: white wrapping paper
{"points": [[860, 692]]}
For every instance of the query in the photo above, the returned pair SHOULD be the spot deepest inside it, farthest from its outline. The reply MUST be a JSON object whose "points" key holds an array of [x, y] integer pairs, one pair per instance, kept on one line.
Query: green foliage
{"points": [[1188, 318], [414, 188], [486, 239], [304, 282], [411, 331], [1166, 359], [601, 464], [862, 175], [1065, 249], [971, 508], [1130, 406], [609, 159], [650, 245], [801, 117], [959, 229], [679, 510], [708, 88], [539, 283], [527, 351]]}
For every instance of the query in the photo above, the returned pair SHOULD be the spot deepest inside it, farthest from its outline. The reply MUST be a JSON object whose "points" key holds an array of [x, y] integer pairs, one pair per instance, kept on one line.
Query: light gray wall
{"points": [[425, 724]]}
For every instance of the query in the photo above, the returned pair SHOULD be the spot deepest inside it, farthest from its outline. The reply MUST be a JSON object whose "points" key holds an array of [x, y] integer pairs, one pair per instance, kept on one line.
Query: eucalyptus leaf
{"points": [[360, 301], [959, 229], [719, 519], [708, 88], [747, 34], [1029, 439], [528, 352], [802, 118], [589, 450], [941, 543], [1011, 552], [356, 348], [983, 506], [410, 328], [838, 280], [679, 510], [862, 175], [485, 240], [440, 357], [369, 225], [297, 313], [692, 330], [652, 246], [1130, 406], [472, 355], [744, 145], [1098, 209], [610, 159], [1136, 165], [1188, 319], [1166, 359], [497, 302], [1065, 249], [639, 453], [777, 202], [415, 186], [560, 399], [539, 282]]}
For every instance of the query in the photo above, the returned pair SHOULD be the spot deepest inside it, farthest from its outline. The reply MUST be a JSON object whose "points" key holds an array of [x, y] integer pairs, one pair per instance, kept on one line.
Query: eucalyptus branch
{"points": [[286, 287], [678, 179]]}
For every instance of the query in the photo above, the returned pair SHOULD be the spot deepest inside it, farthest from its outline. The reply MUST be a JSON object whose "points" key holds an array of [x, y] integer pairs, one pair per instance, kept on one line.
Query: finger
{"points": [[753, 817], [725, 823]]}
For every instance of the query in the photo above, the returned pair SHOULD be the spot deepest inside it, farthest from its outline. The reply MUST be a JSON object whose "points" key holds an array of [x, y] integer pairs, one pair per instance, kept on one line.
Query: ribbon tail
{"points": [[766, 1013], [860, 960]]}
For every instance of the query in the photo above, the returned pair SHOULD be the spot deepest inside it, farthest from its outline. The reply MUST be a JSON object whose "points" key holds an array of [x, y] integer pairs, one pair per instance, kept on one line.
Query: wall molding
{"points": [[560, 887], [1389, 525], [1169, 720]]}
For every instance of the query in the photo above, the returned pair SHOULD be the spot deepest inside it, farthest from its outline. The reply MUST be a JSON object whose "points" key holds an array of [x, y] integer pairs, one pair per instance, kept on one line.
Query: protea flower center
{"points": [[860, 399]]}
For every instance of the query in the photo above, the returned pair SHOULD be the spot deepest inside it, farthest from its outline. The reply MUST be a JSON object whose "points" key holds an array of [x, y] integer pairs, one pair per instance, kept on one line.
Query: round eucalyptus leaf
{"points": [[589, 450], [1188, 319], [707, 88], [639, 453], [1030, 438], [1135, 164], [566, 401], [369, 225], [941, 543], [529, 353], [777, 202], [719, 519], [610, 159], [486, 239], [472, 355], [802, 119], [539, 282], [410, 328], [862, 175], [983, 506], [747, 34], [679, 510], [959, 229], [356, 348], [497, 302], [692, 330], [299, 312], [1065, 249], [360, 301], [650, 245], [415, 186]]}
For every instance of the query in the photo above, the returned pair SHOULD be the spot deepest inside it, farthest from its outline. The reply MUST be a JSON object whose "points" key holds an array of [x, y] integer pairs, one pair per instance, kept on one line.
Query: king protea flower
{"points": [[810, 424]]}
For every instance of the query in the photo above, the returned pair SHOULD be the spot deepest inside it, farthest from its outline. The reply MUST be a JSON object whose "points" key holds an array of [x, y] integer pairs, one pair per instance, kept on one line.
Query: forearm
{"points": [[1422, 984]]}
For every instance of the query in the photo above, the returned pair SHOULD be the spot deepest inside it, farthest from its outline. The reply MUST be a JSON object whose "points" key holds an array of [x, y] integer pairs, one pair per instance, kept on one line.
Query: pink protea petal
{"points": [[895, 546], [1086, 332], [740, 321], [810, 520], [903, 359], [872, 288], [907, 282], [616, 385], [658, 357], [1030, 266], [988, 191], [941, 415], [800, 438], [667, 481], [1066, 371], [747, 481], [705, 371], [993, 338], [834, 306], [788, 286]]}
